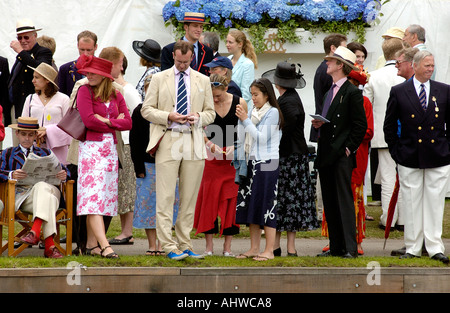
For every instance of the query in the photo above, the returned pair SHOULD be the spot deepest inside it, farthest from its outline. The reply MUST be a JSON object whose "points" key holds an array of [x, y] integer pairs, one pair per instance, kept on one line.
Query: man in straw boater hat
{"points": [[340, 134], [29, 53], [193, 27], [41, 199]]}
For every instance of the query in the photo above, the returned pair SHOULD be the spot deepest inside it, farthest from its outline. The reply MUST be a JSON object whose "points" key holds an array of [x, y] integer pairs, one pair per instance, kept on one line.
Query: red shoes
{"points": [[53, 253], [30, 239]]}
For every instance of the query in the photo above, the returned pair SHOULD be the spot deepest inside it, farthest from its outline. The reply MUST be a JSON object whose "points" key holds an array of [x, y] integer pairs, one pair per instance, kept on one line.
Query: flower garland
{"points": [[257, 16]]}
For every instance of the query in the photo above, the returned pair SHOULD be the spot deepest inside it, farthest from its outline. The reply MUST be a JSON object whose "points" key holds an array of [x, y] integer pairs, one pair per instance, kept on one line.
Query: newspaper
{"points": [[41, 169]]}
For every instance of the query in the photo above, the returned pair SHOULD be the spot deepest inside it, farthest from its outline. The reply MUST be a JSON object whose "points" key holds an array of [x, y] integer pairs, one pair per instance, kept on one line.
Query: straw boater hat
{"points": [[47, 71], [26, 123], [285, 76], [92, 64], [149, 50], [25, 25], [194, 17], [344, 55]]}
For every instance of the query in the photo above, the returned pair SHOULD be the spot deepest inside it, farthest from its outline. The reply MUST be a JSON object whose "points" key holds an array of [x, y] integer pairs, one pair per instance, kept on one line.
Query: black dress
{"points": [[296, 194]]}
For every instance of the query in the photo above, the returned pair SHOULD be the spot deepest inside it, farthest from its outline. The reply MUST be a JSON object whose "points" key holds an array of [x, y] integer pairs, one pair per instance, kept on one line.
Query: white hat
{"points": [[345, 55], [25, 25]]}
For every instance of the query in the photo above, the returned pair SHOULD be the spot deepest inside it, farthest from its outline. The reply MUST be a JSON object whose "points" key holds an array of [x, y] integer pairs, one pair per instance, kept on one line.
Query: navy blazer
{"points": [[425, 135], [346, 129], [21, 76], [205, 55], [322, 83], [13, 158], [67, 76]]}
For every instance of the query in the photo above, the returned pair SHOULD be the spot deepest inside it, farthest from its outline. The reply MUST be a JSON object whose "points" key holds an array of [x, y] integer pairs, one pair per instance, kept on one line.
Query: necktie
{"points": [[182, 96], [28, 152], [423, 97], [328, 99], [194, 61]]}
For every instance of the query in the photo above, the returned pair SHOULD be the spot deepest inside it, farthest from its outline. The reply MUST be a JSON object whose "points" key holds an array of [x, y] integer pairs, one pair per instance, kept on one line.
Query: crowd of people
{"points": [[201, 143]]}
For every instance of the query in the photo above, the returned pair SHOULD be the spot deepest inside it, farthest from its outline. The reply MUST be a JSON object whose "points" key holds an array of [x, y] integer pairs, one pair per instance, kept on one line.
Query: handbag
{"points": [[72, 123]]}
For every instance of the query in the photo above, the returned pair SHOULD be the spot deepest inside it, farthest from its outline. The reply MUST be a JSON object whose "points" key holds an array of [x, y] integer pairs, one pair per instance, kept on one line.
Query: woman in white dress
{"points": [[103, 111], [49, 106]]}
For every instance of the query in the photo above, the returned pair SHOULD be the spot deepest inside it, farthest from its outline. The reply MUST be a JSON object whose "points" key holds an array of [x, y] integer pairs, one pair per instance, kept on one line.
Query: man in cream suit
{"points": [[377, 90], [176, 141]]}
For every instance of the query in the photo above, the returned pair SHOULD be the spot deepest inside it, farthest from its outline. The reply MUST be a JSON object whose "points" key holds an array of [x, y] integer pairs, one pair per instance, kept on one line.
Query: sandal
{"points": [[261, 258], [111, 255], [123, 241], [245, 256], [89, 251], [150, 253]]}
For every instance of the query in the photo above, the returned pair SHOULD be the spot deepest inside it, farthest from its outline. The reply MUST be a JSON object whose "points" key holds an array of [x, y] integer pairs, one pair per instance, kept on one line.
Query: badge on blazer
{"points": [[436, 108]]}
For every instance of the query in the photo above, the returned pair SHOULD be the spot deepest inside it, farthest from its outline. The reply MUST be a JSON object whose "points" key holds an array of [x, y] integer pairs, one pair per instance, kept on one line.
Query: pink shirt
{"points": [[96, 128]]}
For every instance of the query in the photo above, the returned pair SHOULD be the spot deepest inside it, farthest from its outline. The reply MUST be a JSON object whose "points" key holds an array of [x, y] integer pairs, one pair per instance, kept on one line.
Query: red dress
{"points": [[217, 196]]}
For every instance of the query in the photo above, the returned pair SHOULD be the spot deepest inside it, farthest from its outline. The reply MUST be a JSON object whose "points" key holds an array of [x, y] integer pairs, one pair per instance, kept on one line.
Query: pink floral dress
{"points": [[98, 176]]}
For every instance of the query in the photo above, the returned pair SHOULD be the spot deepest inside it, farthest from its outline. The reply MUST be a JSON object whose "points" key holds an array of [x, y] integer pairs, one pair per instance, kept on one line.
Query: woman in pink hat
{"points": [[103, 111]]}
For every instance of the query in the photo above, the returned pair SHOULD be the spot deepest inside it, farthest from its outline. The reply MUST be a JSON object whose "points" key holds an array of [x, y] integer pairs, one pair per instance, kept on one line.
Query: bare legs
{"points": [[290, 241], [255, 241], [96, 234]]}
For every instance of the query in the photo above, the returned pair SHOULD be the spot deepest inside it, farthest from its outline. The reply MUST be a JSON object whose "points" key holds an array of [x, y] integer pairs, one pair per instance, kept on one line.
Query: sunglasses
{"points": [[216, 84], [23, 37]]}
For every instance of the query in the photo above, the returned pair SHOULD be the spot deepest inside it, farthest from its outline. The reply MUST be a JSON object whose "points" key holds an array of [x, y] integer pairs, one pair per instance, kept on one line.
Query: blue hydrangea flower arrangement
{"points": [[287, 15]]}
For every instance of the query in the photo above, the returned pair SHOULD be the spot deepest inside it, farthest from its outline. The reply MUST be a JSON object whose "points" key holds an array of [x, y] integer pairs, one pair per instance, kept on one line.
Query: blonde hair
{"points": [[216, 78], [104, 90], [111, 54], [247, 46], [47, 42]]}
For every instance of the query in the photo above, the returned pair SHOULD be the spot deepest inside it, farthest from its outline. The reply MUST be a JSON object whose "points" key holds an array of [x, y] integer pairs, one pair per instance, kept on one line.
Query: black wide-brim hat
{"points": [[284, 75], [150, 50]]}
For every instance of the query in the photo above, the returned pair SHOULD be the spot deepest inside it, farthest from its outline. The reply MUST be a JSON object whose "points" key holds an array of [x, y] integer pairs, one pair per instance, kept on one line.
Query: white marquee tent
{"points": [[119, 22]]}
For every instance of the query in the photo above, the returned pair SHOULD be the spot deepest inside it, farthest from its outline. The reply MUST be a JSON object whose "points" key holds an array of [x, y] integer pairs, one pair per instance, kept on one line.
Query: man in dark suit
{"points": [[4, 97], [422, 154], [193, 27], [68, 72], [29, 53], [323, 81], [337, 144]]}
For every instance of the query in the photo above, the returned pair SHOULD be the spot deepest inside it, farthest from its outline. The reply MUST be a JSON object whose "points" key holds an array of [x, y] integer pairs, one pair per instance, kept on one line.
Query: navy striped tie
{"points": [[423, 97], [194, 62], [181, 96]]}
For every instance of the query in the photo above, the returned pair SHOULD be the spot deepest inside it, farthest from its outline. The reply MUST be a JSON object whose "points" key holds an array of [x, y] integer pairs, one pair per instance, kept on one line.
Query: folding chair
{"points": [[9, 217]]}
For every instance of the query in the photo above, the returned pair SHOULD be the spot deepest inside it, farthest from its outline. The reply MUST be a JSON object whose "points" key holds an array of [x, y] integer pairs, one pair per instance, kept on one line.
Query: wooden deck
{"points": [[225, 280]]}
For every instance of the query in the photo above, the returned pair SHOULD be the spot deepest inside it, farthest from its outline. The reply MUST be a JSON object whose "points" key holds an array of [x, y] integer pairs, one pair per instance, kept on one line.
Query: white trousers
{"points": [[43, 202], [424, 193], [386, 174]]}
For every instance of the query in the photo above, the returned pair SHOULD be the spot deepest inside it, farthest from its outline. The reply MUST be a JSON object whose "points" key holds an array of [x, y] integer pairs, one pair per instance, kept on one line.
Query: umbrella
{"points": [[391, 210]]}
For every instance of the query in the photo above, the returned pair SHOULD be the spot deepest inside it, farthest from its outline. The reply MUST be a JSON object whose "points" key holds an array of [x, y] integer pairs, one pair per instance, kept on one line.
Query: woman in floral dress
{"points": [[103, 111], [296, 194]]}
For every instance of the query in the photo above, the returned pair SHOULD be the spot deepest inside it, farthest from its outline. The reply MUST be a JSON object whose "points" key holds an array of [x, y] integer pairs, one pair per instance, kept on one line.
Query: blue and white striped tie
{"points": [[423, 97], [181, 96]]}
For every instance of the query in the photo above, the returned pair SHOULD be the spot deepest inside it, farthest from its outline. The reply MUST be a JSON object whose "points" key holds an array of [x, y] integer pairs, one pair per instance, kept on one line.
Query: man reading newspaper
{"points": [[39, 197]]}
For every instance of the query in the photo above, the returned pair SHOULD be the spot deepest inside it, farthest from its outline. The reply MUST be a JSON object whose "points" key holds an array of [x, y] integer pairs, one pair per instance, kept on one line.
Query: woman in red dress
{"points": [[218, 191]]}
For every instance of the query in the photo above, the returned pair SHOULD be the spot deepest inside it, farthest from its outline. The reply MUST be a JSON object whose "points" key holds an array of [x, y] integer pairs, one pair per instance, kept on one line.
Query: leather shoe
{"points": [[348, 255], [408, 256], [399, 252], [325, 254], [440, 257], [30, 239], [53, 253]]}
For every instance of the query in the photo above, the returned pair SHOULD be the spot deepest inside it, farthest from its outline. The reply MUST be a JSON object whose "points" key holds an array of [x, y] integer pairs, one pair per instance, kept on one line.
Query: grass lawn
{"points": [[372, 231]]}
